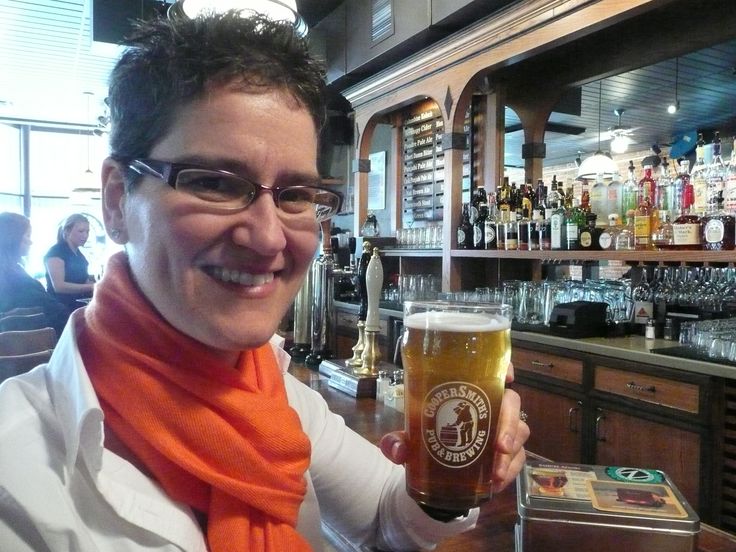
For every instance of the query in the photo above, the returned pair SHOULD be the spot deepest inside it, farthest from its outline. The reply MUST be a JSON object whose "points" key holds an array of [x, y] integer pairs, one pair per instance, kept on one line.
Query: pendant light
{"points": [[88, 188], [277, 10], [674, 107], [599, 163]]}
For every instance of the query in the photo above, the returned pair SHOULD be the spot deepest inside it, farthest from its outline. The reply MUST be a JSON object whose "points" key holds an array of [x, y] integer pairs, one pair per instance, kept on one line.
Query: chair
{"points": [[18, 364], [18, 322], [27, 341], [21, 311]]}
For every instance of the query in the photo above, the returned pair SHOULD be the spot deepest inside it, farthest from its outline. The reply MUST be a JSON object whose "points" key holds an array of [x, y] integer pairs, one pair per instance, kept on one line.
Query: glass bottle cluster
{"points": [[678, 208]]}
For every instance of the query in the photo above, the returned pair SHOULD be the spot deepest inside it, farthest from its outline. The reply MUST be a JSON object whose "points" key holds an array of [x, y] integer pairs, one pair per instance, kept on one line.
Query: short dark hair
{"points": [[171, 61], [12, 228]]}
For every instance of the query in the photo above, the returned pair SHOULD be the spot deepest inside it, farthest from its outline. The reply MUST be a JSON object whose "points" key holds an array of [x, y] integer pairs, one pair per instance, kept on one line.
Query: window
{"points": [[10, 168], [383, 20]]}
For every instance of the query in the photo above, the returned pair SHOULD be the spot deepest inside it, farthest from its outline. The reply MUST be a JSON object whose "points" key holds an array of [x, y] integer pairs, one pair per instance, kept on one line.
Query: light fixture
{"points": [[674, 107], [277, 10], [598, 163], [620, 134], [88, 188]]}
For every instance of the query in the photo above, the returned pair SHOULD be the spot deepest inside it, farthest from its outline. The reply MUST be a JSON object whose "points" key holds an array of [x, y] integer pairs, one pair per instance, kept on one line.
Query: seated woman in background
{"points": [[17, 288], [66, 267]]}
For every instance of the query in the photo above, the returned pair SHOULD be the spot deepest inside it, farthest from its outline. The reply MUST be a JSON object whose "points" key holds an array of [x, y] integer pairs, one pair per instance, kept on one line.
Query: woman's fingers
{"points": [[393, 446]]}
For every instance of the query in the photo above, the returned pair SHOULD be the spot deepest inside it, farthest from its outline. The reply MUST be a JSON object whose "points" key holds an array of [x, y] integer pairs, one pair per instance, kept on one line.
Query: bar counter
{"points": [[632, 347], [495, 530]]}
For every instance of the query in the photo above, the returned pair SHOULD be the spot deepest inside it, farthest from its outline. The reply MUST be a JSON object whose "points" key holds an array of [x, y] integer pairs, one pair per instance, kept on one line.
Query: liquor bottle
{"points": [[599, 199], [662, 234], [544, 229], [527, 197], [512, 233], [615, 197], [465, 230], [643, 224], [540, 198], [503, 216], [629, 193], [553, 200], [625, 240], [648, 187], [685, 183], [718, 227], [664, 188], [584, 197], [729, 193], [535, 228], [687, 231], [716, 173], [557, 228], [697, 176], [589, 234], [489, 233], [574, 220], [479, 197], [479, 227], [568, 194], [504, 198], [607, 238], [523, 224]]}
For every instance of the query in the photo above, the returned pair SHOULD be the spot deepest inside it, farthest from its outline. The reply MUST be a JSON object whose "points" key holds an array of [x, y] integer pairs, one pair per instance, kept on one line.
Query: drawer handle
{"points": [[538, 364], [599, 433], [641, 388], [572, 418]]}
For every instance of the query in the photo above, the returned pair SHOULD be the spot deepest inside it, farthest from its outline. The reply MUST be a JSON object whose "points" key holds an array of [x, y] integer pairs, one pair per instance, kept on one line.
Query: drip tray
{"points": [[692, 354]]}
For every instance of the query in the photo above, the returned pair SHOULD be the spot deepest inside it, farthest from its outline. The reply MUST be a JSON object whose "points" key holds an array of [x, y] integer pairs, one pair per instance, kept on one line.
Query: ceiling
{"points": [[48, 62]]}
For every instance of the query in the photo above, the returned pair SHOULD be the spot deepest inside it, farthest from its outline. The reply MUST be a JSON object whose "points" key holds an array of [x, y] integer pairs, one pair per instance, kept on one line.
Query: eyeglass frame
{"points": [[170, 171]]}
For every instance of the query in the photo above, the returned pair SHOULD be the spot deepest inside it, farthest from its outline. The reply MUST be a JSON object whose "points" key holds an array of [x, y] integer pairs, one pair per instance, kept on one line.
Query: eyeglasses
{"points": [[231, 192]]}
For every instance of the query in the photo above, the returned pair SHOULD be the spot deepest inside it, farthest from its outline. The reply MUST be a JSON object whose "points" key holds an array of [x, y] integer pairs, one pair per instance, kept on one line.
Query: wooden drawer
{"points": [[651, 389], [554, 366]]}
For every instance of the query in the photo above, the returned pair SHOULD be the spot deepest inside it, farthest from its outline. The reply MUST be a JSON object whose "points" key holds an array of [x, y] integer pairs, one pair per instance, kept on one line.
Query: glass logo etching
{"points": [[456, 423]]}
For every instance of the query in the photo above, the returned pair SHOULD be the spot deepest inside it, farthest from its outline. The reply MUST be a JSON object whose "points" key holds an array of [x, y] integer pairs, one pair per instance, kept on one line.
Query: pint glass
{"points": [[455, 359]]}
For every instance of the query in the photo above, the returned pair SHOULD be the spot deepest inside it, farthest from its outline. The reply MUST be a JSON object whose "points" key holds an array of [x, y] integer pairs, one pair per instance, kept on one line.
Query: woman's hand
{"points": [[509, 445]]}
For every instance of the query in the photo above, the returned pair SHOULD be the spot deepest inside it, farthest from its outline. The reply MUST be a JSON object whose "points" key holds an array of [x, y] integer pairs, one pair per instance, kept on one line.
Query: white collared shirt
{"points": [[62, 491]]}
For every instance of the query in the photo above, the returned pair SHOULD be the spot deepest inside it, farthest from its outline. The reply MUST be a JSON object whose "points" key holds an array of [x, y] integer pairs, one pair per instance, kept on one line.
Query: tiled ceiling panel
{"points": [[48, 60]]}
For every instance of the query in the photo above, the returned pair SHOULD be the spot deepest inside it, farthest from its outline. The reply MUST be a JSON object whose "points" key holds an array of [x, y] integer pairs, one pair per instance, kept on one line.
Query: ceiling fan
{"points": [[619, 135]]}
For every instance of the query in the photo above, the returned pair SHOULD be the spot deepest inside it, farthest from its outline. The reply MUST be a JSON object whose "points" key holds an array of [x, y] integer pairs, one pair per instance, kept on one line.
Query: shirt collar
{"points": [[75, 401]]}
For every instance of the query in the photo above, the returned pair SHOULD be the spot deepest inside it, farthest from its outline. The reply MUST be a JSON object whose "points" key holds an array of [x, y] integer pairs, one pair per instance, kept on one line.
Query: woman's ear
{"points": [[113, 200]]}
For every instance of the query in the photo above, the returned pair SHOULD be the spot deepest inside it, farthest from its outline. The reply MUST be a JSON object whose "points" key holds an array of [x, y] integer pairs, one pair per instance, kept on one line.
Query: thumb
{"points": [[393, 446]]}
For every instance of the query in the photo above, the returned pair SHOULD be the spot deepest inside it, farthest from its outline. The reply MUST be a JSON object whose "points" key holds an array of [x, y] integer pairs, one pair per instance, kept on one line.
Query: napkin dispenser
{"points": [[579, 319]]}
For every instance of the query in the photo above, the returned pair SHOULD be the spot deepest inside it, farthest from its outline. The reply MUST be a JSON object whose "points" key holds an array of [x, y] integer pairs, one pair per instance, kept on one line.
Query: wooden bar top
{"points": [[495, 529]]}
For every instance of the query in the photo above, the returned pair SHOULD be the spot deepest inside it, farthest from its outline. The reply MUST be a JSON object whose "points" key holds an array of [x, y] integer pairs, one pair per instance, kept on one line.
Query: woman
{"points": [[17, 288], [166, 419], [67, 275]]}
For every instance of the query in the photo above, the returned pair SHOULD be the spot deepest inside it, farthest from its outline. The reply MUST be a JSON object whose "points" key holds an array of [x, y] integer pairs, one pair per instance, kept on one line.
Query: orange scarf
{"points": [[222, 440]]}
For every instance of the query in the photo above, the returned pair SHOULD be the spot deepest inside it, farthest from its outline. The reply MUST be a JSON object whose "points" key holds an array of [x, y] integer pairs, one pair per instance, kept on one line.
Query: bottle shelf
{"points": [[580, 255]]}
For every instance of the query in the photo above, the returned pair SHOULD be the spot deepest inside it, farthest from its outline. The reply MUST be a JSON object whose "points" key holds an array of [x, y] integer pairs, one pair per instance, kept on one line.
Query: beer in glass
{"points": [[455, 358]]}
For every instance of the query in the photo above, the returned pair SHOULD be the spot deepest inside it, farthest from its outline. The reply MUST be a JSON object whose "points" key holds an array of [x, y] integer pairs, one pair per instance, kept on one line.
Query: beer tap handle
{"points": [[362, 270], [326, 244], [335, 244], [374, 284], [351, 248]]}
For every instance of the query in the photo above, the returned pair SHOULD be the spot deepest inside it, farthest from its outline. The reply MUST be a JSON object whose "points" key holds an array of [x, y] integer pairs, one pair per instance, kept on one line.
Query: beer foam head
{"points": [[457, 321]]}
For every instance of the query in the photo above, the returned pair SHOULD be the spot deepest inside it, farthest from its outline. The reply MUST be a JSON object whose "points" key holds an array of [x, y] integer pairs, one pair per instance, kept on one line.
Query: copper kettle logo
{"points": [[456, 420]]}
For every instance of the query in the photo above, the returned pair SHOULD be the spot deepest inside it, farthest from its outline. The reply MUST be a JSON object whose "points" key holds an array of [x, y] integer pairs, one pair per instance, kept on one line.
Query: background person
{"points": [[17, 287], [166, 419], [67, 276]]}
